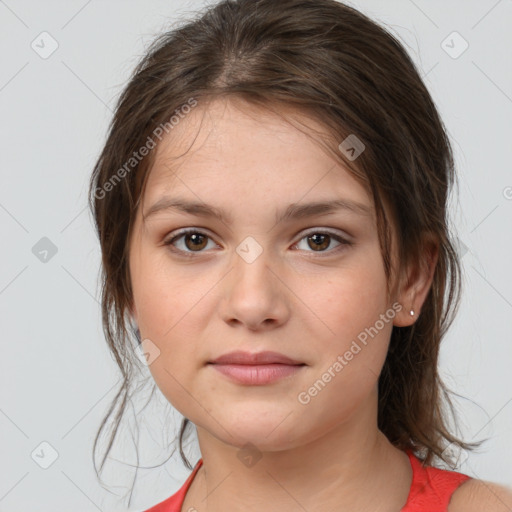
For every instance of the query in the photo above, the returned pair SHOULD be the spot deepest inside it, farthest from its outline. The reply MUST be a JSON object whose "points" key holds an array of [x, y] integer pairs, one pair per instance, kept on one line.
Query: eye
{"points": [[318, 241], [188, 241]]}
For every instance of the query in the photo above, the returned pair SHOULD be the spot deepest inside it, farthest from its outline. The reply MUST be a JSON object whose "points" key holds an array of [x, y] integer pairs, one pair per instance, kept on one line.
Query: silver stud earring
{"points": [[411, 312]]}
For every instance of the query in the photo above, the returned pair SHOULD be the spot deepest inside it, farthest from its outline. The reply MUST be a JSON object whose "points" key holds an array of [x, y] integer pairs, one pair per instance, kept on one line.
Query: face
{"points": [[309, 285]]}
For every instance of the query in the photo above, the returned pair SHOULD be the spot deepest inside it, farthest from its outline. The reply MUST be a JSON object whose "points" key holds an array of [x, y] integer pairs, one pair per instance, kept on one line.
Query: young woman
{"points": [[271, 204]]}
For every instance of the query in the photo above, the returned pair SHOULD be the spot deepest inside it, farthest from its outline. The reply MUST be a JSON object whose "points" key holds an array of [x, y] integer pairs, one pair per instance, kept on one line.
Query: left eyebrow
{"points": [[292, 212], [299, 211]]}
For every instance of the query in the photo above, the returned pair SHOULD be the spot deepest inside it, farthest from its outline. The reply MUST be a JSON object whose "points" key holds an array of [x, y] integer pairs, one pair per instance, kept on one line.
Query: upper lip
{"points": [[266, 357]]}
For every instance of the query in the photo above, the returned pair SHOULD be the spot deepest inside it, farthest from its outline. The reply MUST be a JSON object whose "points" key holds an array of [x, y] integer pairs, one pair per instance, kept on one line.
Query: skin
{"points": [[307, 304]]}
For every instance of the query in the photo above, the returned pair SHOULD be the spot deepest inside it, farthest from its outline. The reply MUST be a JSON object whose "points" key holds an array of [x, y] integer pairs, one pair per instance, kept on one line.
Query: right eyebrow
{"points": [[192, 207]]}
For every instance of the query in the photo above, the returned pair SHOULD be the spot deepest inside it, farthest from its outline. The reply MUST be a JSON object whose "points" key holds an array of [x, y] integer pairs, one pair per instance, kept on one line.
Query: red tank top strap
{"points": [[431, 488], [174, 503]]}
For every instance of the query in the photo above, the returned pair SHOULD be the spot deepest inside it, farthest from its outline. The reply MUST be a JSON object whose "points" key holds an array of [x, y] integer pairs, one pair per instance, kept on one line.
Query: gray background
{"points": [[57, 378]]}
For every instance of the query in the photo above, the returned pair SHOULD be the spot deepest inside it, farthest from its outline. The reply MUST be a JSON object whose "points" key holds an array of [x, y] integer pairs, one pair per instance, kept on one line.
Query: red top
{"points": [[431, 489]]}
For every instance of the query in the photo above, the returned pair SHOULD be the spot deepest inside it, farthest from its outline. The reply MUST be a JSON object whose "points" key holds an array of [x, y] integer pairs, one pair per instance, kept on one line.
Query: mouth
{"points": [[257, 358], [257, 374], [256, 368]]}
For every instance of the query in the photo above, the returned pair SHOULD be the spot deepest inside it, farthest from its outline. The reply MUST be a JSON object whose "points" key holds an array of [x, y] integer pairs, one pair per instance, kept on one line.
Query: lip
{"points": [[258, 358], [256, 369]]}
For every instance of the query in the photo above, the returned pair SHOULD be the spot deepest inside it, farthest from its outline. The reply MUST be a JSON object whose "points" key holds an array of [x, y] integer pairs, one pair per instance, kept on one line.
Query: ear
{"points": [[414, 291]]}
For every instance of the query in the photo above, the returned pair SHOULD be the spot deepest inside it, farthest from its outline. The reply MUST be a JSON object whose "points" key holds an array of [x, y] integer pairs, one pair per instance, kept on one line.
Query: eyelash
{"points": [[190, 254]]}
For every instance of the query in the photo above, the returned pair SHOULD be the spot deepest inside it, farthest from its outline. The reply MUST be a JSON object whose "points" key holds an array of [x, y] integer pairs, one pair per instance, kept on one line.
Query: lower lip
{"points": [[256, 374]]}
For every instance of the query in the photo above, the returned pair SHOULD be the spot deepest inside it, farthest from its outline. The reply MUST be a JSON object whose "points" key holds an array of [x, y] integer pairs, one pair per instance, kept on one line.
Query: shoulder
{"points": [[477, 495]]}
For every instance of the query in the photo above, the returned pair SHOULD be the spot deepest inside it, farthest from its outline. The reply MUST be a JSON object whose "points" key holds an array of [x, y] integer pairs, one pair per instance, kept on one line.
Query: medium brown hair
{"points": [[327, 60]]}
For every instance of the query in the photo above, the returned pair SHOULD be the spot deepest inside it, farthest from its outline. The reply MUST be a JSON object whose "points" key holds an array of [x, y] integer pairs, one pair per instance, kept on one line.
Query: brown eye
{"points": [[195, 241], [318, 242], [188, 242], [322, 242]]}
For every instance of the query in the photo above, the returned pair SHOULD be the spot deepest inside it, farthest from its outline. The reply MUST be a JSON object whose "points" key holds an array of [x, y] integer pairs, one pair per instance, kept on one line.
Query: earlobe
{"points": [[406, 316], [415, 291]]}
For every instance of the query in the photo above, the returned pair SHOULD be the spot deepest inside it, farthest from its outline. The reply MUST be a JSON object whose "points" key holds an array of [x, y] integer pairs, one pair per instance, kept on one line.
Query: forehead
{"points": [[232, 145]]}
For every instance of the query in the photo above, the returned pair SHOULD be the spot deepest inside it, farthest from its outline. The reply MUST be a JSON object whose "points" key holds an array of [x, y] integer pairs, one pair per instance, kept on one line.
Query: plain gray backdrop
{"points": [[57, 93]]}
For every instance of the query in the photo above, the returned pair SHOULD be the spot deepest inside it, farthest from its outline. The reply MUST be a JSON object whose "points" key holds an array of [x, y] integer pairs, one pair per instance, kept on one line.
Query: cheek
{"points": [[170, 303], [348, 367], [169, 299], [357, 323], [349, 301], [169, 316]]}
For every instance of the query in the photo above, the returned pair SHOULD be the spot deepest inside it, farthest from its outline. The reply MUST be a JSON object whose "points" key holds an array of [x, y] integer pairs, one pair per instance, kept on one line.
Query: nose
{"points": [[254, 295]]}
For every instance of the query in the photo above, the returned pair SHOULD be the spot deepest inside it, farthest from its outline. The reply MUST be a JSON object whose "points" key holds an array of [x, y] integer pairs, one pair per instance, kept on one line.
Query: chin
{"points": [[257, 431]]}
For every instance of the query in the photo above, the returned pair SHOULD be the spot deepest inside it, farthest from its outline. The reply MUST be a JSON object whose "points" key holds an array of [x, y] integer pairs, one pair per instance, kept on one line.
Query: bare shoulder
{"points": [[477, 495]]}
